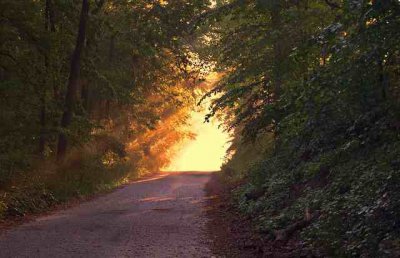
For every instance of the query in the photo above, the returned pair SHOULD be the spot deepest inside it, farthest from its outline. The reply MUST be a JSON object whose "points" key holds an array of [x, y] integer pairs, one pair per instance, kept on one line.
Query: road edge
{"points": [[230, 233], [8, 224]]}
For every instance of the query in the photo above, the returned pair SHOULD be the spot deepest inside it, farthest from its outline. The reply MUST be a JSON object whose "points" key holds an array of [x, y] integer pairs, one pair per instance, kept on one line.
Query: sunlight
{"points": [[204, 153]]}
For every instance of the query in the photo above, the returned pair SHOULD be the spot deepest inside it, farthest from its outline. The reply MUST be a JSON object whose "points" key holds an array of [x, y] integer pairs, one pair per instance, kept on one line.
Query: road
{"points": [[157, 217]]}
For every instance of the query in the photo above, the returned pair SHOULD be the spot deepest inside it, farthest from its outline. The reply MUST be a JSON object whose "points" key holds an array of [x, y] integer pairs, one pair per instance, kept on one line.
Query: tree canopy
{"points": [[94, 91], [310, 91], [72, 71]]}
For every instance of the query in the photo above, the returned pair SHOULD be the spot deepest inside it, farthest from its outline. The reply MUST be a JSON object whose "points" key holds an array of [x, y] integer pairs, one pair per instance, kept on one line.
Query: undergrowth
{"points": [[350, 182], [80, 175]]}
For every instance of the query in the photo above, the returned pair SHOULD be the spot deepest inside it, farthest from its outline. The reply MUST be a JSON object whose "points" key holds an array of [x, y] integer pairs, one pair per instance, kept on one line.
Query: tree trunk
{"points": [[85, 92], [72, 87], [42, 117], [111, 49], [276, 22], [49, 26], [383, 80], [85, 86], [49, 22]]}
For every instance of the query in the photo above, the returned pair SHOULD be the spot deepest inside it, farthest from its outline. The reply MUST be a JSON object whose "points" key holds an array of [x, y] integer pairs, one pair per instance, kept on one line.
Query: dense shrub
{"points": [[320, 78]]}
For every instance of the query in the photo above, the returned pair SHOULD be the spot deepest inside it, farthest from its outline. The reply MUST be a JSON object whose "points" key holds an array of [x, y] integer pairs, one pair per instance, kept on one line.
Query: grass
{"points": [[49, 184]]}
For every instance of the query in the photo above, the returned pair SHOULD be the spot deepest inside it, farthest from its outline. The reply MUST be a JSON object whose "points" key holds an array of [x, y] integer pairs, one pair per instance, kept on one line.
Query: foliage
{"points": [[51, 184], [135, 84], [322, 79]]}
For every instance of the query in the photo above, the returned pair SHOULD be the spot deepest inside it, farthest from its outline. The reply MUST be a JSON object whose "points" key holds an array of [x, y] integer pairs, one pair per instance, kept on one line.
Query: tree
{"points": [[72, 87], [321, 77], [69, 81]]}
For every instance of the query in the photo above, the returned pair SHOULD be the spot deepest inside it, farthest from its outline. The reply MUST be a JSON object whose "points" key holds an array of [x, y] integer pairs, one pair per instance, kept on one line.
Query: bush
{"points": [[81, 174], [352, 185]]}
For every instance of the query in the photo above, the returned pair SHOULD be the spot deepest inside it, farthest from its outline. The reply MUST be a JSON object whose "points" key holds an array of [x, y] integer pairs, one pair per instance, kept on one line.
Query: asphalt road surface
{"points": [[157, 217]]}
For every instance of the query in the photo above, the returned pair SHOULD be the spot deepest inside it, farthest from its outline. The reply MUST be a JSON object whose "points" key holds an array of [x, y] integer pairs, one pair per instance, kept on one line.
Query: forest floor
{"points": [[164, 216]]}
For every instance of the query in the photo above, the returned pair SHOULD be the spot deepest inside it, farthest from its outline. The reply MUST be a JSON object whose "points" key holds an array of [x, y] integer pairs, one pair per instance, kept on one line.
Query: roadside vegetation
{"points": [[311, 92], [93, 93]]}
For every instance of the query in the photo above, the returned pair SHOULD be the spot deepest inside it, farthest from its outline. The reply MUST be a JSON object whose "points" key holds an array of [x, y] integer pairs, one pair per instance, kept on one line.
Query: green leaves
{"points": [[131, 76], [329, 96]]}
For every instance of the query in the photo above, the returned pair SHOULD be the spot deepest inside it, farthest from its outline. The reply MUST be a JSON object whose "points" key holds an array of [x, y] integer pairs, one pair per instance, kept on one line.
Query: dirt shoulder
{"points": [[231, 233], [234, 235]]}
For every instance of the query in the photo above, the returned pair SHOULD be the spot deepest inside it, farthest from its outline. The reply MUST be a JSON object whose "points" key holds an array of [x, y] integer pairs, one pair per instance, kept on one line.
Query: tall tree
{"points": [[73, 80], [49, 27]]}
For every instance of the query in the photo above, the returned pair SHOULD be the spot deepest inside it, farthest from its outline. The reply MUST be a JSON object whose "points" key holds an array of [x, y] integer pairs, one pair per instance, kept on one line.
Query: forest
{"points": [[94, 93]]}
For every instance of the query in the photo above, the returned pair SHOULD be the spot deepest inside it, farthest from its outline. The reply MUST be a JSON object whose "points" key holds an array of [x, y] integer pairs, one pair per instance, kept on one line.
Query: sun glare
{"points": [[206, 151]]}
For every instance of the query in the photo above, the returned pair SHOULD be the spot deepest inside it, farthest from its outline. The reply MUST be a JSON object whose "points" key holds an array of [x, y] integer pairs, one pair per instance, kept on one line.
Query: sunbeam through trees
{"points": [[297, 103]]}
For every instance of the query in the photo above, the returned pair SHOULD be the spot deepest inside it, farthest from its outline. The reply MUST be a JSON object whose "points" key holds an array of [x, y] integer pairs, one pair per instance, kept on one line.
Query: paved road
{"points": [[158, 217]]}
